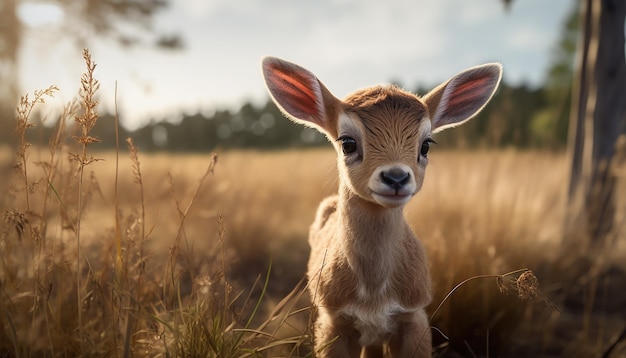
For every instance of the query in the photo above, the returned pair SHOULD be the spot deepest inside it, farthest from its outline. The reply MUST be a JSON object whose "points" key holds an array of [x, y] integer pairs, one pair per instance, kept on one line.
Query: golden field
{"points": [[195, 252], [132, 254]]}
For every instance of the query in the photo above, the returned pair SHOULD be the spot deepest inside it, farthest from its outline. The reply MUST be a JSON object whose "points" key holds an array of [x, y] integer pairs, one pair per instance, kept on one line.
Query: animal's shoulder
{"points": [[326, 209]]}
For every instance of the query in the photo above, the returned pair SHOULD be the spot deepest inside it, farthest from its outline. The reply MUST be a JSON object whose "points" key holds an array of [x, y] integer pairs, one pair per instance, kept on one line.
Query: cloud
{"points": [[529, 37], [474, 13], [375, 32], [199, 9]]}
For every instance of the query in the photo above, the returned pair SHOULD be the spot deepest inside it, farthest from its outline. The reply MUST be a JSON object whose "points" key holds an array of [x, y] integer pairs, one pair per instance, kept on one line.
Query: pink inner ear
{"points": [[467, 94], [294, 92]]}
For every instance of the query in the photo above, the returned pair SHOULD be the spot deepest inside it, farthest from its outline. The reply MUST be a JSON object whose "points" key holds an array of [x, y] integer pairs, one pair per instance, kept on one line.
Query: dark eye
{"points": [[348, 145], [425, 147]]}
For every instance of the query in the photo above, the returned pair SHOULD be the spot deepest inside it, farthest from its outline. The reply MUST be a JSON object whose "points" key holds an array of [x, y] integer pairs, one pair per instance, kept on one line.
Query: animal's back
{"points": [[320, 235]]}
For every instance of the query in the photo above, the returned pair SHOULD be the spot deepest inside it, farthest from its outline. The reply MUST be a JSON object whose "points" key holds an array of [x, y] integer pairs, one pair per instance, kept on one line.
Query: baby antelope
{"points": [[368, 273]]}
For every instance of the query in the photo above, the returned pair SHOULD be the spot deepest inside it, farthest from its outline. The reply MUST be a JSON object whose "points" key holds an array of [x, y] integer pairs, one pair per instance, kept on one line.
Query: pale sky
{"points": [[348, 44]]}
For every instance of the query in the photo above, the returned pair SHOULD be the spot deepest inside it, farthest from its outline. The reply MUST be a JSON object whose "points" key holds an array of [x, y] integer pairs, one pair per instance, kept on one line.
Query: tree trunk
{"points": [[10, 31], [598, 118]]}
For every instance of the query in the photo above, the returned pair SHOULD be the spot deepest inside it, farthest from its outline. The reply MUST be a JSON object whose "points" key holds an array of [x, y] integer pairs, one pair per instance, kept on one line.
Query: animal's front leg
{"points": [[335, 337], [412, 337], [372, 352]]}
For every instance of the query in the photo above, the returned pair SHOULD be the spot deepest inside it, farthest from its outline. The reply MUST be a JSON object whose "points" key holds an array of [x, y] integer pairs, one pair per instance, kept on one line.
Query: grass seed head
{"points": [[527, 286], [16, 219]]}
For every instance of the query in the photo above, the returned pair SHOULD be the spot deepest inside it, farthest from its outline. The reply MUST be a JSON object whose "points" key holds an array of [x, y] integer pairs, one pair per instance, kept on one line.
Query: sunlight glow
{"points": [[34, 15]]}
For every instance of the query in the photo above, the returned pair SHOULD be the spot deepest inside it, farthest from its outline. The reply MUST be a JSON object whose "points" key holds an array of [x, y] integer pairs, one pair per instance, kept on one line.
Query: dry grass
{"points": [[479, 213], [181, 255]]}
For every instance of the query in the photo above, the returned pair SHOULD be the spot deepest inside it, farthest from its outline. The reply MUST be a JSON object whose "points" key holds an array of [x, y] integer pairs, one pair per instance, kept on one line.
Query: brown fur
{"points": [[368, 273], [357, 244]]}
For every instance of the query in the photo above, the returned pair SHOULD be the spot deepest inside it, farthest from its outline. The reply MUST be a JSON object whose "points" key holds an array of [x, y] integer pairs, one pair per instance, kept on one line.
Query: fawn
{"points": [[368, 273]]}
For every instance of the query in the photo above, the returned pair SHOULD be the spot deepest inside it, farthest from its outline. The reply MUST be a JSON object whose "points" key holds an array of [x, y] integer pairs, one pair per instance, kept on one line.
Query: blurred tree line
{"points": [[519, 115]]}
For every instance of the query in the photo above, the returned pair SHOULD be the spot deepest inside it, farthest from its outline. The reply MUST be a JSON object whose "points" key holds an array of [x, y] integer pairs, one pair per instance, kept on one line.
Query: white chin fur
{"points": [[391, 201]]}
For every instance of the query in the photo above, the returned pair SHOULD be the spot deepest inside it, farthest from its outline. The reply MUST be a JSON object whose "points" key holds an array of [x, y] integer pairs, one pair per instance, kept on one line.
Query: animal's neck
{"points": [[372, 237]]}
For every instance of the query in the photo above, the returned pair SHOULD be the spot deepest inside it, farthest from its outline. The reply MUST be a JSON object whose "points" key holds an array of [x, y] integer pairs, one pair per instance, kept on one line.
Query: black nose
{"points": [[395, 178]]}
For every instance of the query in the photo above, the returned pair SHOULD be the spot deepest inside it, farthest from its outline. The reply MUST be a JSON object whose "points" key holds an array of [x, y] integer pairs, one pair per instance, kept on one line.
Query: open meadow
{"points": [[126, 253], [194, 255]]}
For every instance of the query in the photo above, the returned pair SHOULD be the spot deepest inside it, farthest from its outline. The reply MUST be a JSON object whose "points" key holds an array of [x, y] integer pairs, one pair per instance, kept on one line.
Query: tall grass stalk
{"points": [[50, 168], [86, 121], [174, 249], [24, 221], [133, 305], [118, 228], [50, 171], [24, 110]]}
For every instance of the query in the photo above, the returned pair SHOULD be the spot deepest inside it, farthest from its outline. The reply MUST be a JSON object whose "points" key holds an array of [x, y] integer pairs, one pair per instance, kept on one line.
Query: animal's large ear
{"points": [[300, 95], [457, 100]]}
